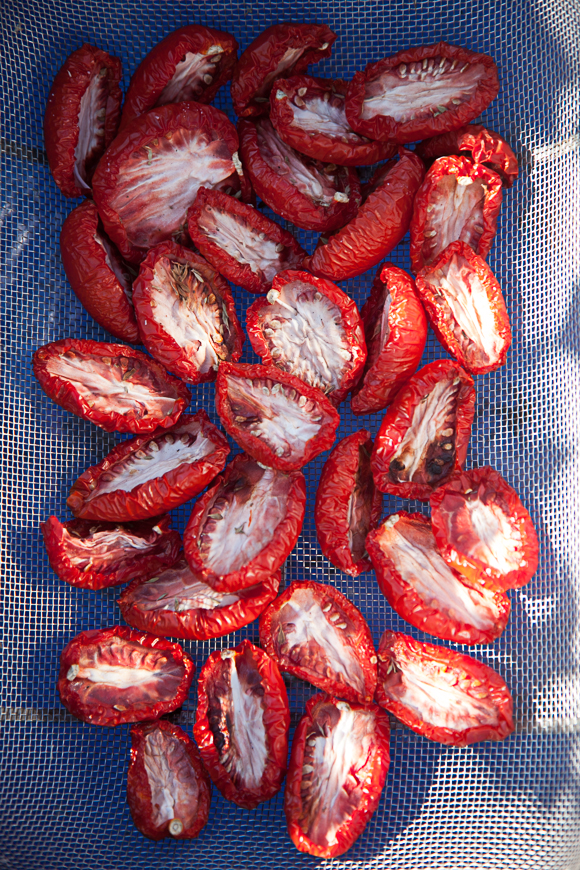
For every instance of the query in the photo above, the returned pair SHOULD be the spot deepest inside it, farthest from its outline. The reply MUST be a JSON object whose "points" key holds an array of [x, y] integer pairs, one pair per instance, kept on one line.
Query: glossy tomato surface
{"points": [[478, 143]]}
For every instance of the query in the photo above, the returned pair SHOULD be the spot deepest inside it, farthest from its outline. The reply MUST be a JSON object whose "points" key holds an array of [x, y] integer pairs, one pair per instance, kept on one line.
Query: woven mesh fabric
{"points": [[513, 805]]}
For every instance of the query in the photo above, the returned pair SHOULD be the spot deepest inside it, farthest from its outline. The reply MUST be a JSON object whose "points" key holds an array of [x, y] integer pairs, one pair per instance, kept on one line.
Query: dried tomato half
{"points": [[81, 117], [241, 530], [420, 92], [458, 201], [466, 308], [192, 63], [148, 475], [380, 224], [150, 174], [307, 326], [317, 634], [168, 789], [242, 723], [484, 531], [186, 313], [280, 50], [97, 273], [442, 694], [240, 242], [348, 505], [425, 591], [395, 330], [424, 435], [178, 603], [118, 388], [309, 115], [275, 417], [477, 142], [114, 675], [338, 767], [96, 555]]}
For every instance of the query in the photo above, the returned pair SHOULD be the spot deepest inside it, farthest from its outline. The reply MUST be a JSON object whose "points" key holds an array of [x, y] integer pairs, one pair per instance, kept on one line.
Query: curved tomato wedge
{"points": [[348, 505], [379, 226], [97, 555], [307, 326], [81, 117], [280, 50], [484, 531], [424, 435], [338, 767], [275, 417], [442, 694], [458, 201], [168, 789], [186, 313], [241, 531], [118, 388], [114, 675], [477, 142], [425, 591], [145, 476], [395, 330], [314, 632], [242, 724], [421, 91]]}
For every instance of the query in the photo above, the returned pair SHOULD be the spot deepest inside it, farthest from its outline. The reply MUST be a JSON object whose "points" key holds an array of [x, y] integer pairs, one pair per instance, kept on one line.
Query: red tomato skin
{"points": [[438, 311], [337, 482], [276, 721], [285, 199], [139, 790], [270, 558], [387, 370], [61, 118], [156, 339], [379, 226], [400, 648], [384, 127], [263, 55], [158, 67], [459, 166], [157, 495], [92, 279], [479, 144], [143, 566], [104, 715], [483, 482], [398, 419], [352, 828], [351, 320]]}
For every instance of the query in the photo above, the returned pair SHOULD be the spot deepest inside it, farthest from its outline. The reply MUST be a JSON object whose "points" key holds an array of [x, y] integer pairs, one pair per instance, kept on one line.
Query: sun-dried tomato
{"points": [[477, 142]]}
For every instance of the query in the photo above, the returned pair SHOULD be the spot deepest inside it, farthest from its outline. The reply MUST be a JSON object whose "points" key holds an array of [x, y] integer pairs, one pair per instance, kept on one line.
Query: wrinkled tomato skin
{"points": [[385, 127], [479, 144], [94, 282], [139, 795], [262, 57], [142, 566], [388, 368], [158, 494], [396, 649], [486, 485], [276, 720], [61, 118], [398, 419], [379, 226], [102, 714], [352, 827], [331, 510], [158, 67]]}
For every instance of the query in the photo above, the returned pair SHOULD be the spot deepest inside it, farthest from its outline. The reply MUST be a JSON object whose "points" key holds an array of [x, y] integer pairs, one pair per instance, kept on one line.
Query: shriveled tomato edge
{"points": [[109, 716], [451, 659], [483, 146], [276, 719]]}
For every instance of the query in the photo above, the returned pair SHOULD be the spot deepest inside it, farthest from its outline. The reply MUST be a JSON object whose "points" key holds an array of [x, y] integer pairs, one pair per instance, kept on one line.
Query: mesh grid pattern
{"points": [[485, 807]]}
